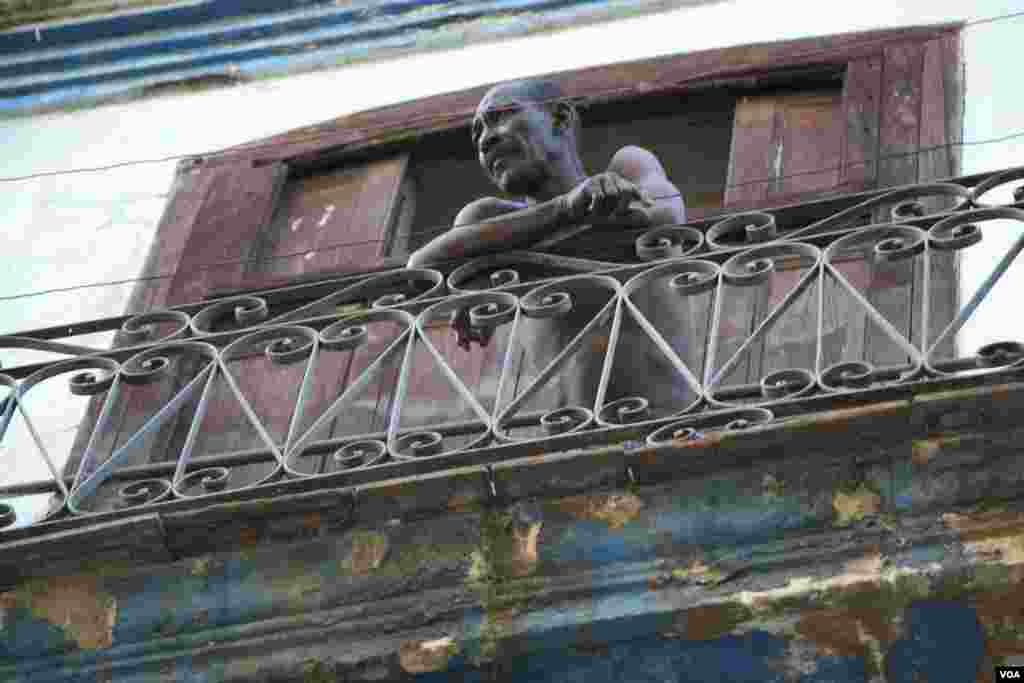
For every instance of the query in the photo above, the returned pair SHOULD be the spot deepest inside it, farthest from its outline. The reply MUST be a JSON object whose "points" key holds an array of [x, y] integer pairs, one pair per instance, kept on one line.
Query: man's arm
{"points": [[665, 202], [489, 225], [634, 192]]}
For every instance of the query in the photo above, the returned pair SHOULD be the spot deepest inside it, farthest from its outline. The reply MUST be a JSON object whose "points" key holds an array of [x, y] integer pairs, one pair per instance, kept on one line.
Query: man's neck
{"points": [[566, 174]]}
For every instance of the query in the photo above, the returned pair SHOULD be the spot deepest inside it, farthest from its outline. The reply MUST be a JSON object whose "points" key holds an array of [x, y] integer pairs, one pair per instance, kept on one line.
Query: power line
{"points": [[998, 17], [441, 229], [430, 118]]}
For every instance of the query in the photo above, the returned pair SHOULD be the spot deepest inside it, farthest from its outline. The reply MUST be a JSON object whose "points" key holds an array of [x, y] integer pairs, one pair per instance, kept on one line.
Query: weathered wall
{"points": [[768, 555], [110, 53], [14, 13]]}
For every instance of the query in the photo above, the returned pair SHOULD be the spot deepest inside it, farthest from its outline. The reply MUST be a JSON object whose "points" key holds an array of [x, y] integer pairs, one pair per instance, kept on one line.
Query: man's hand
{"points": [[603, 196]]}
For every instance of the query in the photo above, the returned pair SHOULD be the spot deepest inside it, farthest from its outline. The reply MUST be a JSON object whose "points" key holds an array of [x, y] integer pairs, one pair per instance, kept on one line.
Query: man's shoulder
{"points": [[636, 163], [485, 208]]}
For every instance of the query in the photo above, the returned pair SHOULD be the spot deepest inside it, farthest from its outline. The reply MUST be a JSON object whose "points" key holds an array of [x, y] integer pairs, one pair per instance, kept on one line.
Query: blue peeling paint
{"points": [[134, 23], [27, 636], [836, 670], [751, 658], [944, 642], [93, 59]]}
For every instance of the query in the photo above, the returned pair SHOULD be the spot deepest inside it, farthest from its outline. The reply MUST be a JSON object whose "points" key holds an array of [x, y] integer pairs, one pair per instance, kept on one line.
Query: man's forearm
{"points": [[513, 230]]}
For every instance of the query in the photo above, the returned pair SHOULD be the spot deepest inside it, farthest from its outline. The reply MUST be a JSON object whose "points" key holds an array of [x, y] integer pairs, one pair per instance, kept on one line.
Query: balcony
{"points": [[874, 317]]}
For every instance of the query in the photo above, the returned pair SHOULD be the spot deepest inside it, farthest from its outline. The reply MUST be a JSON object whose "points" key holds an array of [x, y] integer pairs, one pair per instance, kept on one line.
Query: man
{"points": [[526, 135]]}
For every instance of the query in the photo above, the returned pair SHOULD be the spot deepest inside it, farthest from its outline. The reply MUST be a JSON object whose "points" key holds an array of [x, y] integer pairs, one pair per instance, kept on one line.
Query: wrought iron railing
{"points": [[715, 326]]}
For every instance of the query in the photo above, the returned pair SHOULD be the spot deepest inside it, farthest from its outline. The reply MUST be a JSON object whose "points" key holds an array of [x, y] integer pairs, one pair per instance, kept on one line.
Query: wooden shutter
{"points": [[235, 207], [329, 222], [784, 146], [237, 225], [896, 121]]}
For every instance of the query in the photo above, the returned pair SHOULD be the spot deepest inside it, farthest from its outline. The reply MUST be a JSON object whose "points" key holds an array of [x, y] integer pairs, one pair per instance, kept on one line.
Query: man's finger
{"points": [[581, 203], [612, 193], [626, 194], [598, 202]]}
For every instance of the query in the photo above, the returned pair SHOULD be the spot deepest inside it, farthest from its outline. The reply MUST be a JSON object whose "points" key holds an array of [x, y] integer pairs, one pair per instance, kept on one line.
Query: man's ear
{"points": [[565, 116]]}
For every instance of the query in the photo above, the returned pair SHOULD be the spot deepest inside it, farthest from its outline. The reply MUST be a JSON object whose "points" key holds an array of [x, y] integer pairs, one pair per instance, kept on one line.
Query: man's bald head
{"points": [[537, 90], [540, 91]]}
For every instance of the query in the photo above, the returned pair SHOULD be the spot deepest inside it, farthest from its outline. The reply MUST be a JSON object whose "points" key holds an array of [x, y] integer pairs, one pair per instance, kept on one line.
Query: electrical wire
{"points": [[323, 131], [441, 229], [436, 231]]}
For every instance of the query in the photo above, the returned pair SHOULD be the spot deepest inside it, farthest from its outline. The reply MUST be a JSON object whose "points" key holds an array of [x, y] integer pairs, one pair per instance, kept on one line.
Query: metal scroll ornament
{"points": [[358, 454], [745, 228], [419, 444], [565, 420], [668, 242], [827, 276], [626, 410], [142, 492]]}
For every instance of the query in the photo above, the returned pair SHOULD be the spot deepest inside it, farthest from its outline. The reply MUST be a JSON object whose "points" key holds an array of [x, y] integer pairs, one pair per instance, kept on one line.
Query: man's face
{"points": [[515, 140]]}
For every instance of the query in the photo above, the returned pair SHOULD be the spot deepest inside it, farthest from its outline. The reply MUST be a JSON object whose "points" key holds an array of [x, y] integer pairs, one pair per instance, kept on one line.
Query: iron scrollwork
{"points": [[716, 326]]}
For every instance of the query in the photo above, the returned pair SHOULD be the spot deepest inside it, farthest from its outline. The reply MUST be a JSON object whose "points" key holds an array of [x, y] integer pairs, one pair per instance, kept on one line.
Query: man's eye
{"points": [[505, 113]]}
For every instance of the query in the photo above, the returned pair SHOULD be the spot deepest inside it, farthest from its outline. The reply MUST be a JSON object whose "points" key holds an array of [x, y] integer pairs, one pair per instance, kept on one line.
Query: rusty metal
{"points": [[753, 316]]}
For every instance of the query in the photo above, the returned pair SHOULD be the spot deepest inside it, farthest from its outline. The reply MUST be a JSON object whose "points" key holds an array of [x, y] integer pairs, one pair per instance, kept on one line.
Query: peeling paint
{"points": [[697, 572], [1007, 549], [200, 566], [714, 621], [77, 604], [808, 586], [922, 451], [368, 551], [853, 506], [870, 564], [851, 633], [984, 543], [615, 509], [772, 486], [421, 656]]}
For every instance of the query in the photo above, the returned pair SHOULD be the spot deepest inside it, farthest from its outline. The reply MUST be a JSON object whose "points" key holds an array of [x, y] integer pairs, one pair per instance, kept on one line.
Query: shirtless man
{"points": [[526, 136]]}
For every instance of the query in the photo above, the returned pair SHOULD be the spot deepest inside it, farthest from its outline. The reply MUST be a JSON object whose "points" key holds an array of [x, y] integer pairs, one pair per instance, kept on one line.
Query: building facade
{"points": [[306, 462]]}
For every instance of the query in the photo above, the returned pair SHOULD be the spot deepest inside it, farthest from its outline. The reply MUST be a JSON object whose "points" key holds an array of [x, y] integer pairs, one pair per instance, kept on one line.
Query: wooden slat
{"points": [[188, 192], [233, 213], [941, 126], [953, 89], [784, 145], [901, 114], [750, 160], [862, 95], [941, 109], [808, 143], [934, 160]]}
